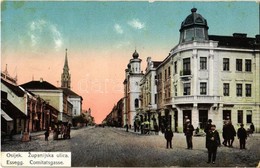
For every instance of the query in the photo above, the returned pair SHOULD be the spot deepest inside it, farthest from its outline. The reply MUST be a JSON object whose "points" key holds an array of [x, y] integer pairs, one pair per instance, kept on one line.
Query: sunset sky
{"points": [[101, 38]]}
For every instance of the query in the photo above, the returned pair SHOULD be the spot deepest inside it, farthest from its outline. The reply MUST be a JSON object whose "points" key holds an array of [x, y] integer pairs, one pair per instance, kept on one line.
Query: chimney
{"points": [[41, 80]]}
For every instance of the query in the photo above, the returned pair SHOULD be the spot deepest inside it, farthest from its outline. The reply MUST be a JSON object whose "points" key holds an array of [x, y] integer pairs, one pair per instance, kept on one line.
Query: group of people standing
{"points": [[212, 137], [229, 133], [188, 131]]}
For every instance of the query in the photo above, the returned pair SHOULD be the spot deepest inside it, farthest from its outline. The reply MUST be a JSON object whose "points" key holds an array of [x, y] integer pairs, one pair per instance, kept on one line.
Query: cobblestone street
{"points": [[113, 147]]}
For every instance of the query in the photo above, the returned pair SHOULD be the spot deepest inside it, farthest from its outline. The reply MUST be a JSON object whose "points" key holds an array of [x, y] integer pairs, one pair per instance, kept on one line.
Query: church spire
{"points": [[66, 60], [65, 76]]}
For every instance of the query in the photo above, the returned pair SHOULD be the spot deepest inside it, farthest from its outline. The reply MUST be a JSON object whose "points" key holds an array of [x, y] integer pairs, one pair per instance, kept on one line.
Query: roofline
{"points": [[46, 90]]}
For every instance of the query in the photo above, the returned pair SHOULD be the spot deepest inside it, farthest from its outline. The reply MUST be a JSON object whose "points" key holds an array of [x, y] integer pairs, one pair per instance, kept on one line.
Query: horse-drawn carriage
{"points": [[62, 130]]}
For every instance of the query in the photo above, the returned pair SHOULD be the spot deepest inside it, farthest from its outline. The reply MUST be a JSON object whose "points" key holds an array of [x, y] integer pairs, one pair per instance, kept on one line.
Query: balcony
{"points": [[196, 99], [185, 74]]}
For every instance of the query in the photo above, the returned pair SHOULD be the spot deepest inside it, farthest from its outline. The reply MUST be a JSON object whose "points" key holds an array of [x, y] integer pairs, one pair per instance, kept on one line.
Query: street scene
{"points": [[114, 147], [131, 84]]}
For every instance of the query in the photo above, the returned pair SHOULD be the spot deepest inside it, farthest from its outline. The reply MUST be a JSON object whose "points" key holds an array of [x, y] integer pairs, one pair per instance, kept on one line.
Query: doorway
{"points": [[203, 118], [226, 115]]}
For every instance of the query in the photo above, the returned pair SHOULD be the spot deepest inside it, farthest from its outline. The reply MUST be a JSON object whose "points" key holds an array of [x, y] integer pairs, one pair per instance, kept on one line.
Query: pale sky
{"points": [[101, 38]]}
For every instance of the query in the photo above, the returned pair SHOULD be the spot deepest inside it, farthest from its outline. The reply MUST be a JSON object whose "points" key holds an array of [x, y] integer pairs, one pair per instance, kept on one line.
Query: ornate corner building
{"points": [[203, 77]]}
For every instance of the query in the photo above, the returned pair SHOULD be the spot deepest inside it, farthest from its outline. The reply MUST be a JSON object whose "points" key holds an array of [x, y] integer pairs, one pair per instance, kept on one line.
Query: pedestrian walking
{"points": [[46, 134], [188, 131], [252, 128], [168, 136], [242, 135], [224, 133], [213, 143], [231, 133], [126, 127], [156, 129], [207, 129]]}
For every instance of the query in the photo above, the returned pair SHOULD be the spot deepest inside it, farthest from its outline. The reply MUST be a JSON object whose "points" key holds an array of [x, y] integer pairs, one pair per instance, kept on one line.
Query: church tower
{"points": [[65, 76]]}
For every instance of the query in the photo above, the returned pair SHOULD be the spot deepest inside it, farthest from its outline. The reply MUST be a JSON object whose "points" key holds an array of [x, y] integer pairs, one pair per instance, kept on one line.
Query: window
{"points": [[136, 103], [175, 67], [239, 90], [186, 66], [248, 116], [189, 34], [239, 64], [175, 90], [155, 80], [226, 89], [165, 74], [199, 33], [248, 90], [225, 64], [226, 114], [169, 92], [169, 71], [203, 88], [240, 116], [186, 89], [248, 65], [203, 63], [203, 118]]}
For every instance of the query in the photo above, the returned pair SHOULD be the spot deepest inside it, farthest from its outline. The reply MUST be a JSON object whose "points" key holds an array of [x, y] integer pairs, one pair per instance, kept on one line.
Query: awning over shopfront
{"points": [[11, 110], [5, 116]]}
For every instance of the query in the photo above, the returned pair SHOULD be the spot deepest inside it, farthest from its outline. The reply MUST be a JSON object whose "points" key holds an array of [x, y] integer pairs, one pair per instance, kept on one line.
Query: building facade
{"points": [[204, 77], [71, 96], [51, 95], [115, 117], [133, 76], [148, 96], [21, 110]]}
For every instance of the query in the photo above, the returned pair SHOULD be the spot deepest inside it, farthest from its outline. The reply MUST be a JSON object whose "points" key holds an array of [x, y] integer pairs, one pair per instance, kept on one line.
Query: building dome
{"points": [[194, 19], [194, 27], [135, 55]]}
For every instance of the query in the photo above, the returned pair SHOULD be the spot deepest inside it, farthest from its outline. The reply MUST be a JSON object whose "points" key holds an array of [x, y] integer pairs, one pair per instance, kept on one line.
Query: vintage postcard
{"points": [[130, 83]]}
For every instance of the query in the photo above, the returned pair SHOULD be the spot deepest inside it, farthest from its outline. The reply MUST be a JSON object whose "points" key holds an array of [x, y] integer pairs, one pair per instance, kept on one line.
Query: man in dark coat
{"points": [[224, 133], [213, 143], [207, 129], [46, 133], [242, 135], [188, 131], [168, 136], [252, 128], [231, 133]]}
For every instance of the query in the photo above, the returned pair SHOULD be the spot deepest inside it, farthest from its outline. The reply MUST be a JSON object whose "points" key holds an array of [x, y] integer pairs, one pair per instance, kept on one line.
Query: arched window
{"points": [[136, 103]]}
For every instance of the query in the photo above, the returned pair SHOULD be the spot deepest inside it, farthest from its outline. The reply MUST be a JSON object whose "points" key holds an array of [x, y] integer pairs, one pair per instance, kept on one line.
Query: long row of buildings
{"points": [[37, 105], [203, 77]]}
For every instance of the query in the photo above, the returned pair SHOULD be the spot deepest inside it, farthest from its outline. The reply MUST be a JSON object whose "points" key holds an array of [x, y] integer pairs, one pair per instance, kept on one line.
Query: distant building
{"points": [[72, 97], [133, 75], [53, 96], [115, 117], [149, 94], [65, 76]]}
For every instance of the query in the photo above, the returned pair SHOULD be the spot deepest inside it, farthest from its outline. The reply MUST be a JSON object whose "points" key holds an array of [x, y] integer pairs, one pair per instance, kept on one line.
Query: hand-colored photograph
{"points": [[130, 83]]}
